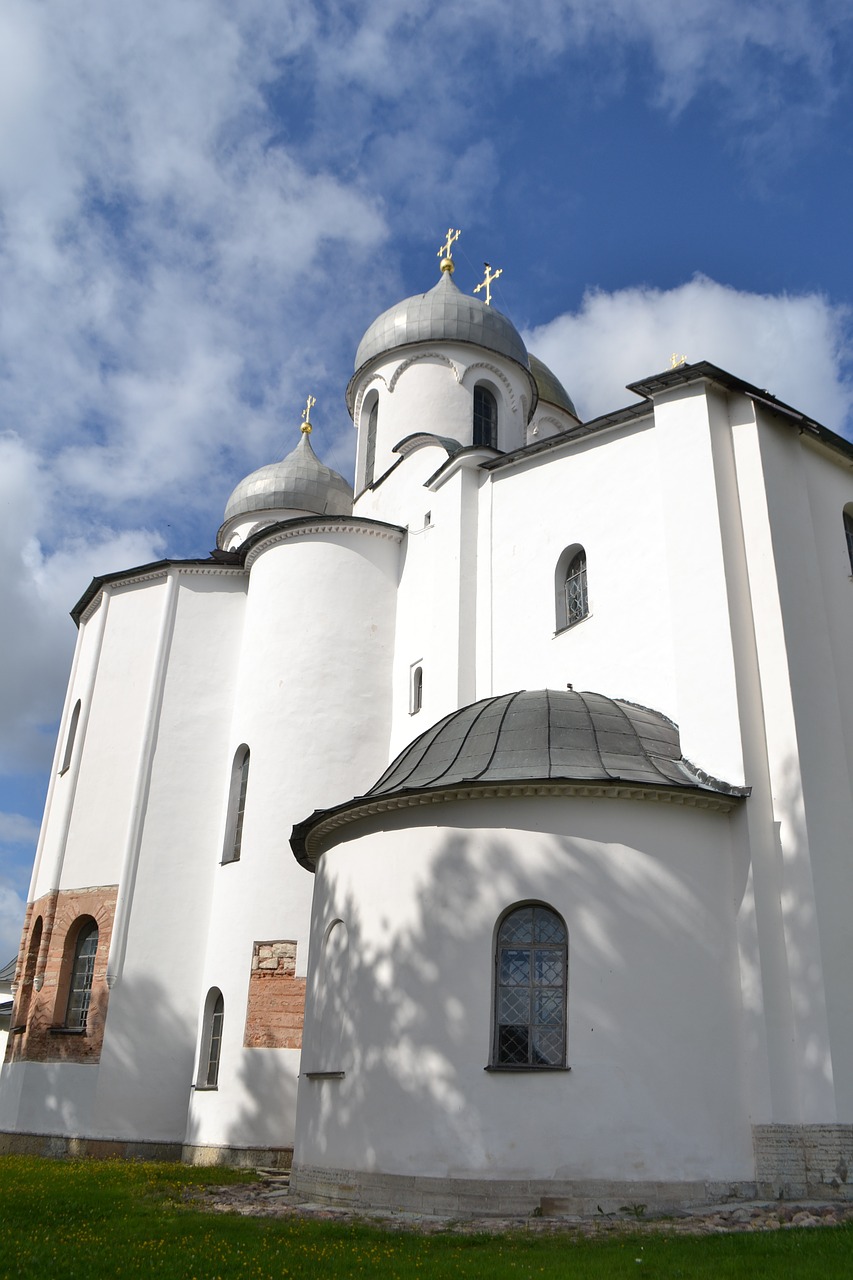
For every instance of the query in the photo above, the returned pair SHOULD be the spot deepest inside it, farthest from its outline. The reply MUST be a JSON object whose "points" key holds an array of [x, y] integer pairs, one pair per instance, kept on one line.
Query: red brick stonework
{"points": [[276, 1008], [43, 975]]}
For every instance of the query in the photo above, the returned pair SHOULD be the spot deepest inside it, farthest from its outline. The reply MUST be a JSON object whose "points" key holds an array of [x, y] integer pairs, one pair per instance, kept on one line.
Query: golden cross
{"points": [[306, 414], [675, 360], [487, 283], [445, 251]]}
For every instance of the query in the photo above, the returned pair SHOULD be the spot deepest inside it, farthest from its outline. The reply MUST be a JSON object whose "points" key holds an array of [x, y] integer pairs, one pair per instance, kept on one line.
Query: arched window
{"points": [[485, 418], [416, 699], [69, 738], [82, 972], [28, 977], [848, 532], [370, 446], [570, 588], [211, 1040], [236, 805], [531, 981]]}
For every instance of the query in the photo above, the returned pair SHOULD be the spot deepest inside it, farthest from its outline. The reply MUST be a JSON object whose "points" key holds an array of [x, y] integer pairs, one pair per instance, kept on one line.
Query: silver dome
{"points": [[300, 482], [444, 313], [551, 389]]}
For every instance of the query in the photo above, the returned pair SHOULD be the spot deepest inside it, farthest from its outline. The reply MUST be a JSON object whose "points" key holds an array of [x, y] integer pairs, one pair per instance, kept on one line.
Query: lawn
{"points": [[112, 1219]]}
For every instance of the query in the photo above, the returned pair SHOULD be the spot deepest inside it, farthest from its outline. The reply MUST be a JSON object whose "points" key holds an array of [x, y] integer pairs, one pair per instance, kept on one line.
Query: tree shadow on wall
{"points": [[412, 1014]]}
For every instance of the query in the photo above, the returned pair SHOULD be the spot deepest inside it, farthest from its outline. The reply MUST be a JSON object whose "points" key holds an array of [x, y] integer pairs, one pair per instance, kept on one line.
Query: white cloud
{"points": [[17, 829], [12, 907], [793, 346]]}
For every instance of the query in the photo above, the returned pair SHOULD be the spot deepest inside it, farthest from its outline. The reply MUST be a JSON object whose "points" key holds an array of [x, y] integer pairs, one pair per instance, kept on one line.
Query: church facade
{"points": [[483, 837]]}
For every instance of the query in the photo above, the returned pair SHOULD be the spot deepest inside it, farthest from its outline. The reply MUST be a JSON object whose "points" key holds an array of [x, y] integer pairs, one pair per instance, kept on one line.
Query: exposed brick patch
{"points": [[276, 1008], [44, 970]]}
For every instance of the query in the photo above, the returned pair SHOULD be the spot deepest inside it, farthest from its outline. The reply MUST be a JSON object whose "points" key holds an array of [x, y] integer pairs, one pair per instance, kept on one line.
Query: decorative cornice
{"points": [[501, 377], [311, 528], [158, 572], [312, 838], [423, 355], [359, 400]]}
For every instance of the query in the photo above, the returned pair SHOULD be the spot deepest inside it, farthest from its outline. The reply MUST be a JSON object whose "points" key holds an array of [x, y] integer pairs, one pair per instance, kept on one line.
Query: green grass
{"points": [[94, 1219]]}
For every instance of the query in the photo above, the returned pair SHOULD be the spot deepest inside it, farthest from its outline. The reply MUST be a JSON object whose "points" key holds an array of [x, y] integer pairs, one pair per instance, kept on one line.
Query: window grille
{"points": [[577, 604], [82, 973], [485, 418], [530, 989]]}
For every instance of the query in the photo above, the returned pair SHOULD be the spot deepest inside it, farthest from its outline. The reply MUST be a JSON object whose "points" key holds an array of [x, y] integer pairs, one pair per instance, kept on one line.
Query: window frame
{"points": [[563, 574], [70, 738], [498, 1060], [81, 974], [484, 425], [232, 846], [210, 1048], [416, 688]]}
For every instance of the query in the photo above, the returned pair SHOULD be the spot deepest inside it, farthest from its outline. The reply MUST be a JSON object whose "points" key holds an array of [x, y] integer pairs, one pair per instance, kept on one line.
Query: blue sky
{"points": [[203, 205]]}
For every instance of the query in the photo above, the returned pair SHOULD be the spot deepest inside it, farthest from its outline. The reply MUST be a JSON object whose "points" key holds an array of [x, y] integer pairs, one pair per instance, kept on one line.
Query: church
{"points": [[479, 839]]}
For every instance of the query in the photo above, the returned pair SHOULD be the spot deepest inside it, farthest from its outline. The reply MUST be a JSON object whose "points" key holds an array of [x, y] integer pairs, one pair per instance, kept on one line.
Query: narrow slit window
{"points": [[237, 806], [416, 699], [848, 533], [211, 1053], [370, 448], [69, 738]]}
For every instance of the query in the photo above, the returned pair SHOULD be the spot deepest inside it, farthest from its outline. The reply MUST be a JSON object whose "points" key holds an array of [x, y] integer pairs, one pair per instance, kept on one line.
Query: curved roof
{"points": [[542, 736], [300, 482], [550, 388], [444, 313]]}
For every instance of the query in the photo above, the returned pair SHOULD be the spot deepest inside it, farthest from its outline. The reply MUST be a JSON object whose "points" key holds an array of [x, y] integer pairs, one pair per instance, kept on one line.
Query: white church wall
{"points": [[313, 706], [48, 1098], [604, 497], [171, 894], [808, 750], [653, 1025]]}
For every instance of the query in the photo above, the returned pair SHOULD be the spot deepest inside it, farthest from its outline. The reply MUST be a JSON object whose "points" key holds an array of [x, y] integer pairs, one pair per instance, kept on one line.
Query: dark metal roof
{"points": [[549, 386], [548, 735], [224, 559]]}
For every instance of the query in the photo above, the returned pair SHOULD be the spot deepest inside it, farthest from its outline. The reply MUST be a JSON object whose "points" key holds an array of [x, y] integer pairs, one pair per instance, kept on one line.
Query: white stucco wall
{"points": [[655, 1089]]}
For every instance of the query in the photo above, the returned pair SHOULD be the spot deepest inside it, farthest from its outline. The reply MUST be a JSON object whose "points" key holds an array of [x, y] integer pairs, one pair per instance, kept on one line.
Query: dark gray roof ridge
{"points": [[547, 738]]}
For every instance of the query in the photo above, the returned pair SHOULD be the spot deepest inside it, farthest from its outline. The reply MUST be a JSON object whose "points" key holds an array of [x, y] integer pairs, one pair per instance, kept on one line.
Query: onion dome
{"points": [[551, 390], [300, 482], [443, 314], [544, 738]]}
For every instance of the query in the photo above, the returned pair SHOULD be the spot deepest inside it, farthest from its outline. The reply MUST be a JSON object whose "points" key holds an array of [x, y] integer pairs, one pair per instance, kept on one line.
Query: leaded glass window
{"points": [[577, 604], [82, 973], [485, 418], [848, 529], [214, 1042], [530, 987]]}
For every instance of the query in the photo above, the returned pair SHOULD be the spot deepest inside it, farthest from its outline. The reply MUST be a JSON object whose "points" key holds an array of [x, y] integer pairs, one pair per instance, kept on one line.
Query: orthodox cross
{"points": [[487, 283], [445, 251], [306, 414], [675, 360]]}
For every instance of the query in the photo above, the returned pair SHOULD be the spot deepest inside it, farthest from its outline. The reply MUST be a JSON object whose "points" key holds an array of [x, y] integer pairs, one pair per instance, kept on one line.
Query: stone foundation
{"points": [[59, 1146], [505, 1196], [799, 1159]]}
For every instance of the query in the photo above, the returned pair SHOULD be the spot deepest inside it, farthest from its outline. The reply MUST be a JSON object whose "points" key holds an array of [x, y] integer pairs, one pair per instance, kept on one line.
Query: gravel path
{"points": [[269, 1197]]}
